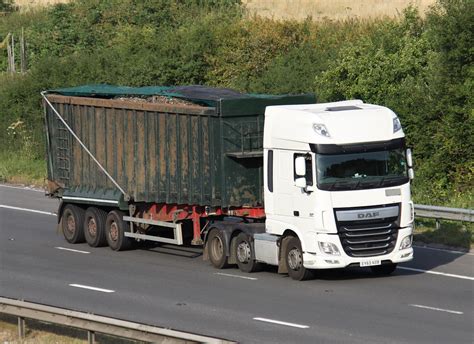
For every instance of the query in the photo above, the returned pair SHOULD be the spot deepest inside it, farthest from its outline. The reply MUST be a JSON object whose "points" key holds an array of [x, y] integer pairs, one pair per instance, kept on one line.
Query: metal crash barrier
{"points": [[97, 324]]}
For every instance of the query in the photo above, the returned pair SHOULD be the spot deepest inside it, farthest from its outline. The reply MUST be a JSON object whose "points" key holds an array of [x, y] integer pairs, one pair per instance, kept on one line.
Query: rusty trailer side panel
{"points": [[160, 153]]}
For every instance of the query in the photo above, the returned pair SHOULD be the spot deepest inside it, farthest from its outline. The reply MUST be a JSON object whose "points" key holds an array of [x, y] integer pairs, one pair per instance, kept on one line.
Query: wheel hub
{"points": [[71, 224], [92, 227], [295, 260], [243, 252], [114, 232], [217, 248]]}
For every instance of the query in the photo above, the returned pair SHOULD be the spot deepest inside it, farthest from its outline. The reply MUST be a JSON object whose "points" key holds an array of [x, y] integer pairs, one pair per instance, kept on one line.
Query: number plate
{"points": [[371, 262]]}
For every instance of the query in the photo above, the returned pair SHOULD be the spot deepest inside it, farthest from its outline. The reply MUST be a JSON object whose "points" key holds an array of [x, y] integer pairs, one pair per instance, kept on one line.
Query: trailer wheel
{"points": [[244, 254], [72, 222], [115, 228], [294, 261], [383, 270], [216, 249], [94, 227]]}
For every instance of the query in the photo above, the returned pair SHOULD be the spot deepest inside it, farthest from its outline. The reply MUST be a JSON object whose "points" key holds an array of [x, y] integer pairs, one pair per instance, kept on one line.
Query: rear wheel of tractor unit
{"points": [[294, 261], [94, 227], [244, 254], [216, 249], [72, 222], [383, 270], [115, 229]]}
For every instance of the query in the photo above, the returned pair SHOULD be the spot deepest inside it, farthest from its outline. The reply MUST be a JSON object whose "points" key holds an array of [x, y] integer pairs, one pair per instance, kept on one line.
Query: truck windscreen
{"points": [[365, 170]]}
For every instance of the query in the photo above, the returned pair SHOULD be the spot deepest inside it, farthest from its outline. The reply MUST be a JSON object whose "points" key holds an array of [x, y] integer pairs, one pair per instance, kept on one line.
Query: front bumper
{"points": [[321, 260]]}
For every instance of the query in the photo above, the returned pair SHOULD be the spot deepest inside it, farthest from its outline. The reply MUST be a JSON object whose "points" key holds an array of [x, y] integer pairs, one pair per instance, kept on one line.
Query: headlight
{"points": [[406, 242], [396, 125], [329, 248]]}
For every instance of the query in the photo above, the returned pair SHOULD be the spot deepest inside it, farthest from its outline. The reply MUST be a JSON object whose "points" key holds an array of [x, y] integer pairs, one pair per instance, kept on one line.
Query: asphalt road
{"points": [[429, 300]]}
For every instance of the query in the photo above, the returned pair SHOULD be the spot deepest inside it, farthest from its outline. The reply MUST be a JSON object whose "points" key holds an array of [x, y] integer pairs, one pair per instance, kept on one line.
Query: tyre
{"points": [[115, 228], [294, 261], [216, 249], [72, 223], [383, 270], [94, 227], [244, 254]]}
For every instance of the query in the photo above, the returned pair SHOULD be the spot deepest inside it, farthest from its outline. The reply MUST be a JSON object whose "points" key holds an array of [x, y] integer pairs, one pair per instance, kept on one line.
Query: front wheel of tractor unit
{"points": [[294, 261]]}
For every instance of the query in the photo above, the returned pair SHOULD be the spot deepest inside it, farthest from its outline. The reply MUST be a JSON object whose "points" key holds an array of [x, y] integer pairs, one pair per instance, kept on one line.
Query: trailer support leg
{"points": [[196, 228]]}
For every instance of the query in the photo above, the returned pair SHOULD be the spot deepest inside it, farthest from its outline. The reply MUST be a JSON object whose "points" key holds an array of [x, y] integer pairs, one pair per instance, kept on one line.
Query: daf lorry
{"points": [[254, 179]]}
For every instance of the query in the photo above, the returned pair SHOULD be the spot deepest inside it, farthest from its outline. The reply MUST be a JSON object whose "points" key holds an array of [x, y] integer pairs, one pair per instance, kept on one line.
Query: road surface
{"points": [[429, 300]]}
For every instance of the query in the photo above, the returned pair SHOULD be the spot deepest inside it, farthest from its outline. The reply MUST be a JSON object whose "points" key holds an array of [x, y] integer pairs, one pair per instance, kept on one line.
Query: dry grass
{"points": [[333, 9], [301, 9], [25, 4], [38, 332]]}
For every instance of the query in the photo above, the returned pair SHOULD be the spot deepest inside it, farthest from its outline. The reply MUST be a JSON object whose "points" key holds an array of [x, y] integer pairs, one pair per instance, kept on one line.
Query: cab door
{"points": [[290, 207]]}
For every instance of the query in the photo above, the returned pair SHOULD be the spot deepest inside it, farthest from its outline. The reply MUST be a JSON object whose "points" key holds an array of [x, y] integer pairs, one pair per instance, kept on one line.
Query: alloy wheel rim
{"points": [[243, 252], [295, 260]]}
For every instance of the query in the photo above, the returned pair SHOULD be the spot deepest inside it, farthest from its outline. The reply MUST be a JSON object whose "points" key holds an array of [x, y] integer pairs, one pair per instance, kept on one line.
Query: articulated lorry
{"points": [[254, 179]]}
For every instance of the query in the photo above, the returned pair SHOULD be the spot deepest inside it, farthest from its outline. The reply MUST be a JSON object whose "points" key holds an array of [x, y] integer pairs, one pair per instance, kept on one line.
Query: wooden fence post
{"points": [[23, 64]]}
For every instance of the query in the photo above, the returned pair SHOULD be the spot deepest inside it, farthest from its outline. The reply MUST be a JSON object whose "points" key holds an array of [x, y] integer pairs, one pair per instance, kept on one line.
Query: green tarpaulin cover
{"points": [[197, 94]]}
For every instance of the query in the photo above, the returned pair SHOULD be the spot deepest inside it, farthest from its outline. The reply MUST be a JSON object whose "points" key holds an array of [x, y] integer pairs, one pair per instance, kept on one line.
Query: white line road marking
{"points": [[20, 188], [92, 288], [72, 250], [236, 276], [437, 273], [438, 309], [443, 250], [281, 322], [25, 209]]}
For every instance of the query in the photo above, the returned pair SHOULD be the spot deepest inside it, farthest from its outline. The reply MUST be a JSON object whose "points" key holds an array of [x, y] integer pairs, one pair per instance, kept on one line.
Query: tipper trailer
{"points": [[255, 179]]}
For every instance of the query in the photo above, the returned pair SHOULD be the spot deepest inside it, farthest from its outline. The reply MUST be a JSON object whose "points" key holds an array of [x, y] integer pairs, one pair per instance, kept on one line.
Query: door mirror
{"points": [[411, 174], [409, 158], [300, 167], [300, 182]]}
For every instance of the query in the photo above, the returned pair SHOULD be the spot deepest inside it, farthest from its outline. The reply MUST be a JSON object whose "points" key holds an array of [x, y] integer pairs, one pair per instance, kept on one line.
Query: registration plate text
{"points": [[371, 262]]}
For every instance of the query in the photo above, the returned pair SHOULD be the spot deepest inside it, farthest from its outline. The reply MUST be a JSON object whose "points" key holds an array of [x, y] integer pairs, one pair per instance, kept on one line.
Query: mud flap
{"points": [[282, 267], [205, 253], [232, 258]]}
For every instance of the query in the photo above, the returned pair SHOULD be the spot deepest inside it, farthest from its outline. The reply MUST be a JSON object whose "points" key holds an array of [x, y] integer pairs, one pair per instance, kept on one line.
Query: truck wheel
{"points": [[244, 254], [216, 249], [383, 270], [94, 227], [115, 228], [294, 261], [72, 222]]}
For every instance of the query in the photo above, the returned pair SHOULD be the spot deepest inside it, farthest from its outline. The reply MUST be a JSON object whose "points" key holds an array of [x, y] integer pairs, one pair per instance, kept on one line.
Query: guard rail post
{"points": [[21, 328]]}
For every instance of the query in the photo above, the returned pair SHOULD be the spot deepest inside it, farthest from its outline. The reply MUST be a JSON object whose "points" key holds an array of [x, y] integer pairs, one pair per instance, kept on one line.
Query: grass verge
{"points": [[45, 333], [20, 169], [450, 233]]}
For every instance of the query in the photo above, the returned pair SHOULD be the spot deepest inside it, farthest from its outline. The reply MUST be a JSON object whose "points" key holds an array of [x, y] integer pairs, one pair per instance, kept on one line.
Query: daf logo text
{"points": [[369, 215]]}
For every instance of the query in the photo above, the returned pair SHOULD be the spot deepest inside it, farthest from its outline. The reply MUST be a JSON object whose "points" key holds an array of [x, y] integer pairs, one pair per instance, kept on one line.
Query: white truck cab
{"points": [[337, 176]]}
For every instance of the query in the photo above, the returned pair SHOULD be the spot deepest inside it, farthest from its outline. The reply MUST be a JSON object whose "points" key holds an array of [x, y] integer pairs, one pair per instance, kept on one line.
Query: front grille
{"points": [[367, 238]]}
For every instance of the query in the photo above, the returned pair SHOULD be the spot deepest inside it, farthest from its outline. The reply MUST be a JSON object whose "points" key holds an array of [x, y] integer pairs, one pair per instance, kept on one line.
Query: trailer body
{"points": [[198, 155]]}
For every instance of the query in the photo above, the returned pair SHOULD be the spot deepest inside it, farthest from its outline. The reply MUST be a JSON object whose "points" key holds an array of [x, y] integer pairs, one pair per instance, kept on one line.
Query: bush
{"points": [[413, 67], [422, 68]]}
